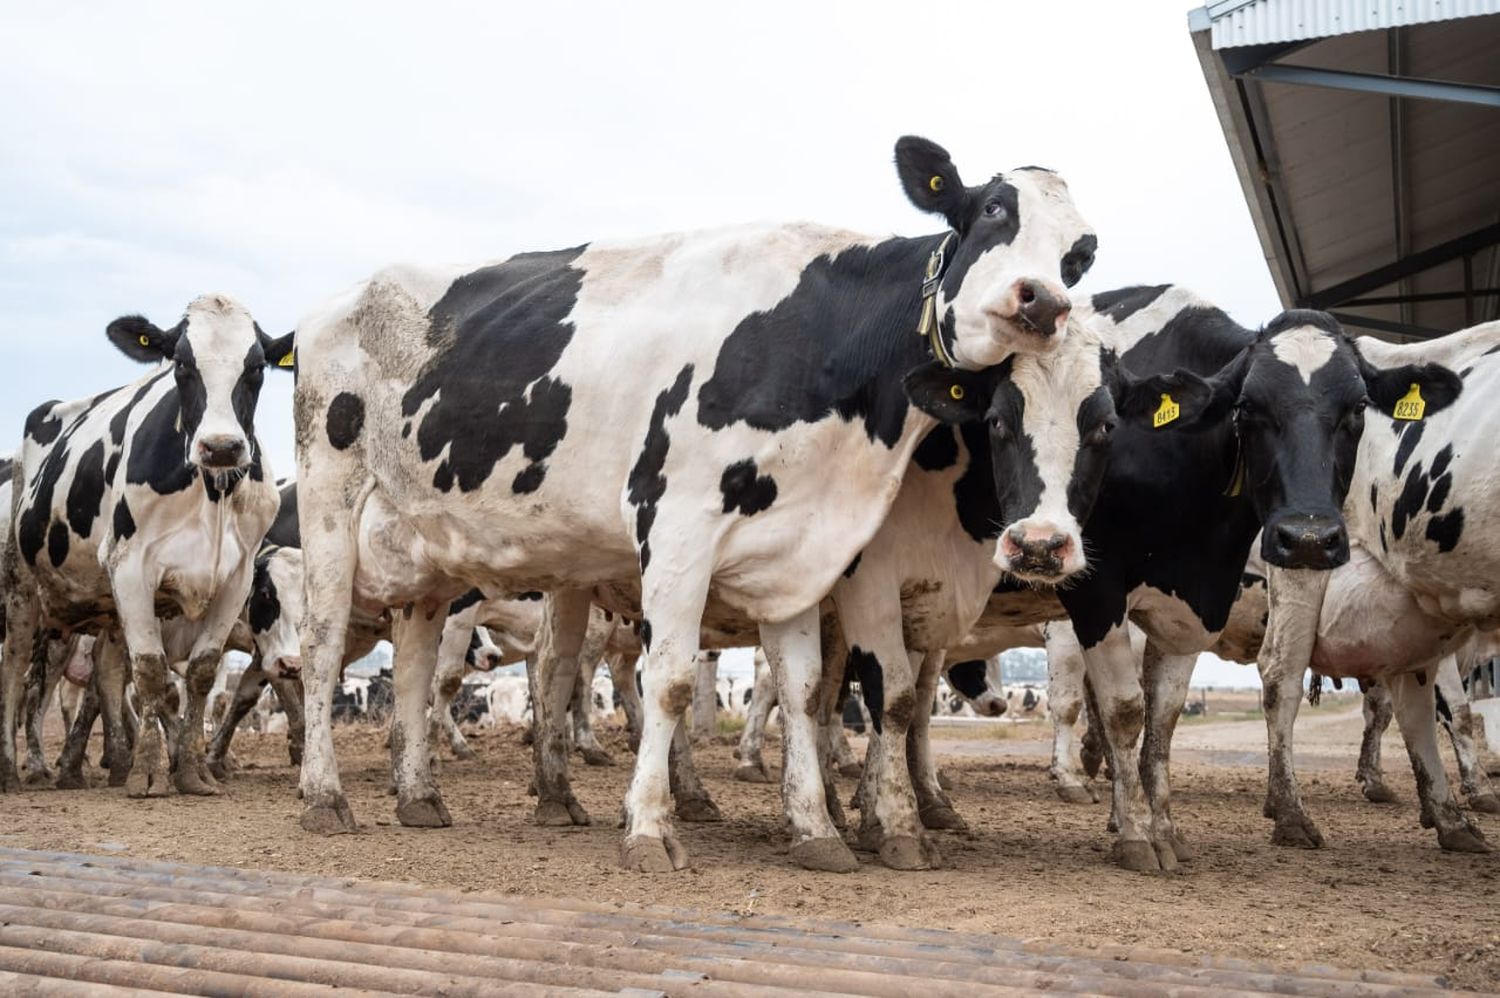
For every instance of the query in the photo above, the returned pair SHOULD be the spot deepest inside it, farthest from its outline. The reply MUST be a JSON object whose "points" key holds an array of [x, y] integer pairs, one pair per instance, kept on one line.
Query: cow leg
{"points": [[111, 673], [1092, 749], [46, 671], [190, 765], [583, 710], [565, 621], [289, 694], [247, 694], [1065, 672], [844, 759], [705, 697], [1378, 712], [447, 680], [1112, 670], [793, 648], [415, 633], [1296, 603], [691, 800], [1413, 695], [752, 765], [1454, 712], [75, 744], [622, 674], [934, 806], [1166, 679], [20, 642]]}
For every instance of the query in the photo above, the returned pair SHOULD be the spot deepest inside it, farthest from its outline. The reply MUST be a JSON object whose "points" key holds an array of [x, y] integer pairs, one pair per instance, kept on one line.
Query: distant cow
{"points": [[146, 499]]}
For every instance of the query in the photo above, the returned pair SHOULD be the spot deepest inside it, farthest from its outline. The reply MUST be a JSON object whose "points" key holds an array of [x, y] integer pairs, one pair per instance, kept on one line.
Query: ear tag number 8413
{"points": [[1165, 413]]}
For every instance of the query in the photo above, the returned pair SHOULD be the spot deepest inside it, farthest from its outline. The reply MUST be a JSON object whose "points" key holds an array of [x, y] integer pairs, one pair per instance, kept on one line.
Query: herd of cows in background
{"points": [[885, 456]]}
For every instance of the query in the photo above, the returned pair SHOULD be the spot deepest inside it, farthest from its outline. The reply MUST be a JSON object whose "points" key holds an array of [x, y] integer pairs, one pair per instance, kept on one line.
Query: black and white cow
{"points": [[720, 415], [1422, 509], [1271, 422], [146, 500]]}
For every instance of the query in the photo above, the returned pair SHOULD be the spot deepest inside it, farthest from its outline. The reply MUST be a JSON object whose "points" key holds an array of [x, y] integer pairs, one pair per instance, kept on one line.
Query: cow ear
{"points": [[1180, 400], [949, 394], [1433, 386], [139, 339], [280, 352], [931, 180]]}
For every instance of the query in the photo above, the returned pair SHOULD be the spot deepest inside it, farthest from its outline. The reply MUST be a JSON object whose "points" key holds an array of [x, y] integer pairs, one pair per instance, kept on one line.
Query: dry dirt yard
{"points": [[1380, 895]]}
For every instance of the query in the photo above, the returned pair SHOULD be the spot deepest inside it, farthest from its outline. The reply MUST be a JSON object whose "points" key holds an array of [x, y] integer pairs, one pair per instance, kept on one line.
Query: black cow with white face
{"points": [[716, 418], [147, 500], [1270, 423]]}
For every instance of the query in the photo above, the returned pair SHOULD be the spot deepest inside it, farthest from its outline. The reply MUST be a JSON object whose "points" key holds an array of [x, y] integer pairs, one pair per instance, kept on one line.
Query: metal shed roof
{"points": [[1366, 135]]}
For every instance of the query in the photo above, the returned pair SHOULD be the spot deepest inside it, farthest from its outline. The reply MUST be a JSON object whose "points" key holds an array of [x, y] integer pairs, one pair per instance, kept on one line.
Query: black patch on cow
{"points": [[469, 658], [1446, 530], [265, 604], [1374, 497], [745, 490], [645, 634], [465, 601], [647, 482], [871, 683], [530, 596], [406, 429], [7, 469], [1444, 712], [346, 417], [41, 425], [1409, 502], [839, 344], [968, 678], [505, 329], [1411, 435], [1079, 258], [853, 566], [529, 478], [57, 543], [286, 529], [1122, 303], [1441, 460], [938, 450], [86, 493], [1384, 544], [974, 493], [157, 454], [124, 523]]}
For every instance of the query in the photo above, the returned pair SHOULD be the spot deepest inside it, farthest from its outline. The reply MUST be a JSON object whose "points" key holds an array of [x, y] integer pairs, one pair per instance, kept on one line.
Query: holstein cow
{"points": [[1423, 510], [1272, 420], [145, 500], [772, 441]]}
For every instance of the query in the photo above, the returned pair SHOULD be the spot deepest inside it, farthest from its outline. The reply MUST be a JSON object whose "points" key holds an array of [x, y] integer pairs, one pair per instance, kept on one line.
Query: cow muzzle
{"points": [[989, 705], [221, 451], [287, 666], [1041, 554], [1033, 307], [1306, 541]]}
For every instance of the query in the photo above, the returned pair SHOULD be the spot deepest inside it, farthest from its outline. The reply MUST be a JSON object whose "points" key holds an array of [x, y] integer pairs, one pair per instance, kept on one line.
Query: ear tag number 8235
{"points": [[1410, 406]]}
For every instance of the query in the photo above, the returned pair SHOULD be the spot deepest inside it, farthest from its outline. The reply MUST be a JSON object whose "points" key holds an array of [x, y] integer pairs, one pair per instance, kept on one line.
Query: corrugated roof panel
{"points": [[1264, 21]]}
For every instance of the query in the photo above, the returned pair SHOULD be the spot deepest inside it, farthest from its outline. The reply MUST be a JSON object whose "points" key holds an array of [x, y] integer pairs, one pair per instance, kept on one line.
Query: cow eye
{"points": [[998, 430], [1100, 434], [994, 210]]}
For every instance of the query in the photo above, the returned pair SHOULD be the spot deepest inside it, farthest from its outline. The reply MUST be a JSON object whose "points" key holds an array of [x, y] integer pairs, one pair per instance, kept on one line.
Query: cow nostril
{"points": [[1027, 294], [1057, 541]]}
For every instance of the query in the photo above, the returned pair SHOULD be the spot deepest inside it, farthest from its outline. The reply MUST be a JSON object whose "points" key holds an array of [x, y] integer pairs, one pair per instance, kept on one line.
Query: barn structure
{"points": [[1366, 137]]}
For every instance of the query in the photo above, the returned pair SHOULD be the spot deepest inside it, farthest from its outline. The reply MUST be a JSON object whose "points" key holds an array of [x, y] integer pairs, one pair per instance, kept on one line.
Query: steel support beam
{"points": [[1453, 249], [1415, 299], [1387, 326], [1384, 86]]}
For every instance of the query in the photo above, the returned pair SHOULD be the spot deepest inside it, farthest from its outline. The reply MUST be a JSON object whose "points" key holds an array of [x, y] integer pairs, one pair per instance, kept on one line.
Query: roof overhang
{"points": [[1366, 138]]}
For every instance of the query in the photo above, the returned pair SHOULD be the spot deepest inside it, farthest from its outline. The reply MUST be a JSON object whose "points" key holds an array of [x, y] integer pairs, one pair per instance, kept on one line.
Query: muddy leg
{"points": [[1413, 695], [415, 633], [20, 641], [692, 801], [752, 766], [111, 673], [1454, 712], [622, 674], [1166, 679], [1378, 712], [582, 710], [1065, 672], [1296, 603], [190, 773], [934, 805], [289, 693], [46, 670], [565, 620], [75, 746], [246, 695]]}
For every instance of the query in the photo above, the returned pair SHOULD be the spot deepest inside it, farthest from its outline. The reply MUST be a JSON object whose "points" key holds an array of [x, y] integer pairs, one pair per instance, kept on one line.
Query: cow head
{"points": [[978, 682], [483, 653], [1296, 399], [1018, 244], [218, 357], [1049, 418], [275, 610]]}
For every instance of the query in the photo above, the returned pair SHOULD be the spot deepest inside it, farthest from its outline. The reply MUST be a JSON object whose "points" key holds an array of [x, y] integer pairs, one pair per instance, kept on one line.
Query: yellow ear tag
{"points": [[1411, 405], [288, 359], [957, 391], [145, 340], [935, 184], [1165, 413]]}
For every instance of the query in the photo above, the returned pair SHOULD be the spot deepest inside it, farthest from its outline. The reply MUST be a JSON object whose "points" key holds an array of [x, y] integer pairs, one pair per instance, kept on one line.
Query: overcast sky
{"points": [[278, 152]]}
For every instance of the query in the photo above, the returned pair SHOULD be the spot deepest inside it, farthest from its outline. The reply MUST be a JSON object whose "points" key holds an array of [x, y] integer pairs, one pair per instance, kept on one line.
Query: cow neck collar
{"points": [[928, 325]]}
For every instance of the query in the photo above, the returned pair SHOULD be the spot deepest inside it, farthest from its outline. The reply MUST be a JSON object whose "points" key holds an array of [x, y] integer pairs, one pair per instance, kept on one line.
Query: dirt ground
{"points": [[1379, 895]]}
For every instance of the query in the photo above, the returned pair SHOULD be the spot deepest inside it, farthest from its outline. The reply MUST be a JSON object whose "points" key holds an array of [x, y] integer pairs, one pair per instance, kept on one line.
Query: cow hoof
{"points": [[193, 778], [698, 809], [333, 818], [828, 855], [1137, 856], [1298, 832], [1166, 855], [1091, 760], [9, 784], [644, 854], [1463, 838], [868, 838], [1377, 792], [531, 788], [943, 781], [37, 777], [219, 769], [1075, 794], [597, 757], [75, 780], [423, 812], [906, 852], [1181, 849], [1486, 803], [294, 752], [553, 813], [117, 775], [147, 781], [463, 752], [751, 773], [944, 817], [851, 770]]}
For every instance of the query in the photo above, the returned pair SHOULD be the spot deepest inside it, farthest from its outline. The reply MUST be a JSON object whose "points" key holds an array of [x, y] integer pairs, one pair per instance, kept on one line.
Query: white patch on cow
{"points": [[1307, 348], [221, 334]]}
